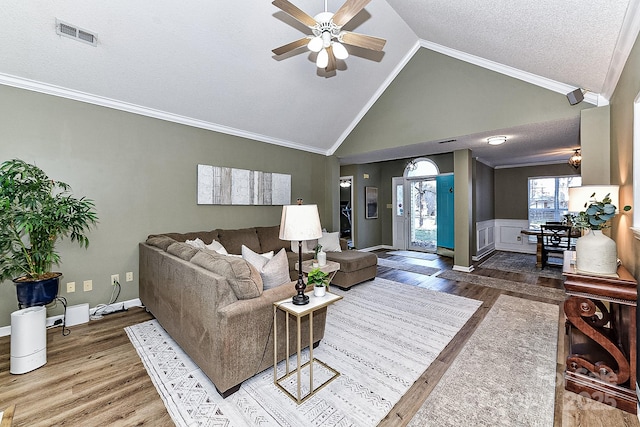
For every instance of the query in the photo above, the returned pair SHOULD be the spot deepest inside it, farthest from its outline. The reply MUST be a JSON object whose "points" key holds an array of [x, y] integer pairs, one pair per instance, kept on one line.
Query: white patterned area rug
{"points": [[381, 337], [505, 375]]}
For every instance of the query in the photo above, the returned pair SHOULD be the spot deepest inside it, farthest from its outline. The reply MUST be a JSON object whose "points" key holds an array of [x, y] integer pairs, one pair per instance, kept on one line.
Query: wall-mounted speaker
{"points": [[575, 97]]}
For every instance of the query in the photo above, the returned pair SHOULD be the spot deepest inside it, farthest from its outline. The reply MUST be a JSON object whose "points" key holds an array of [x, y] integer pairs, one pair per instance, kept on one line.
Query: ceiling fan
{"points": [[328, 37]]}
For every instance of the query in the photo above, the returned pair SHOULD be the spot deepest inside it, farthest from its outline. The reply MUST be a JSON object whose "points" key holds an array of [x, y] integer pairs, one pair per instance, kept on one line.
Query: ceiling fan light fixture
{"points": [[339, 50], [315, 44], [323, 59], [497, 140]]}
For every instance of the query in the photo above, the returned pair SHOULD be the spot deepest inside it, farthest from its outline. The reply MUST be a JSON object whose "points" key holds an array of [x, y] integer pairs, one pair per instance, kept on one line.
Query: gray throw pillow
{"points": [[274, 271]]}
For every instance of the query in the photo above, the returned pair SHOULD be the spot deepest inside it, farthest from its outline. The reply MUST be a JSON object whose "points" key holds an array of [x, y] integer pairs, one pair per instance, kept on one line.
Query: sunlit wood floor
{"points": [[94, 377]]}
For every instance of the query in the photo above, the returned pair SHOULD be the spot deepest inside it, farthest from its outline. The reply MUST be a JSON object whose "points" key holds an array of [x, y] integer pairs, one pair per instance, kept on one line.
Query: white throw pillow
{"points": [[257, 260], [274, 270], [216, 246], [197, 243], [330, 242]]}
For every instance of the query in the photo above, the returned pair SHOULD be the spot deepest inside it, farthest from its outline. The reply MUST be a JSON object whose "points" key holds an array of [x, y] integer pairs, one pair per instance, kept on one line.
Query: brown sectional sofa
{"points": [[214, 306]]}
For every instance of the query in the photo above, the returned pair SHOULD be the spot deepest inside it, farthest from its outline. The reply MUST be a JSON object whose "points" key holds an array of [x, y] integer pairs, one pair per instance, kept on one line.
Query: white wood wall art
{"points": [[229, 186]]}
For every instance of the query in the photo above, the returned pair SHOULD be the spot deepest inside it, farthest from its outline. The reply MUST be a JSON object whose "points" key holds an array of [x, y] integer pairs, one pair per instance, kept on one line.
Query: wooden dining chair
{"points": [[555, 240]]}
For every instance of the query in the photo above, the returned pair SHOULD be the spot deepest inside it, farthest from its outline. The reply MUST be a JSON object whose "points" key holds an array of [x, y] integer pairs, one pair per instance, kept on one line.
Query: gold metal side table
{"points": [[299, 311]]}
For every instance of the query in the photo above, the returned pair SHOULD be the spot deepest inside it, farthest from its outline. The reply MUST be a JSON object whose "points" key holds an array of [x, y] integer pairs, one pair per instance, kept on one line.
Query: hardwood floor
{"points": [[94, 377]]}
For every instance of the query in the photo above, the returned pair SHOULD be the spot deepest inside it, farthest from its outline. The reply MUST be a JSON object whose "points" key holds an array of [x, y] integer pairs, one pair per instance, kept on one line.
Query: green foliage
{"points": [[34, 212], [316, 250], [597, 214], [317, 277]]}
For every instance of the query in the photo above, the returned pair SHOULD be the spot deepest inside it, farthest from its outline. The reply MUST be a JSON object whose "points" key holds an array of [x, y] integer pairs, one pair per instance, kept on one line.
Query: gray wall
{"points": [[511, 188], [437, 97], [483, 197], [141, 172]]}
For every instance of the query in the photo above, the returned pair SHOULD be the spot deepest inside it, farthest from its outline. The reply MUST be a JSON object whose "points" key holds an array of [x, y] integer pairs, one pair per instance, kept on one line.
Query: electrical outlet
{"points": [[115, 278], [88, 285], [71, 287], [129, 277]]}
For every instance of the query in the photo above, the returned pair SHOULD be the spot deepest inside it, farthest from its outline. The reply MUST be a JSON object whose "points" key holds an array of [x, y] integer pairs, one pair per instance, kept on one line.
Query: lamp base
{"points": [[300, 299]]}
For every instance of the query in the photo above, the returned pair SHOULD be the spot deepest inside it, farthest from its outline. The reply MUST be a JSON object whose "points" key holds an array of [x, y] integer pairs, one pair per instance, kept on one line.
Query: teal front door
{"points": [[445, 215]]}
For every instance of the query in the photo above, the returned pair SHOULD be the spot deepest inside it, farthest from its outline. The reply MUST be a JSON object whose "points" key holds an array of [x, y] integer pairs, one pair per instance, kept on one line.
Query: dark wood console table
{"points": [[601, 324]]}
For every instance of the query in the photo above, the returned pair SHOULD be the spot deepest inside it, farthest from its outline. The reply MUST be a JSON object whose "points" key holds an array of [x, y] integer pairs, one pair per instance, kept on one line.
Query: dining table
{"points": [[575, 233]]}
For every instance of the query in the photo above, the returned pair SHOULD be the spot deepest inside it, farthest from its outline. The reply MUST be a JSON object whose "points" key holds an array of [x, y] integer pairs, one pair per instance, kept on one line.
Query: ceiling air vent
{"points": [[67, 30], [447, 141]]}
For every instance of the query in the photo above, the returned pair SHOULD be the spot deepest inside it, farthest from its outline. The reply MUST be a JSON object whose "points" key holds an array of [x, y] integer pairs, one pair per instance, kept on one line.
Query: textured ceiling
{"points": [[209, 64]]}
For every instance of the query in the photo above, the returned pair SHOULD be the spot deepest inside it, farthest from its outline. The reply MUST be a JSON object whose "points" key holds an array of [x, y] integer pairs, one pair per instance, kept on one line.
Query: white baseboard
{"points": [[463, 269], [6, 330], [483, 255]]}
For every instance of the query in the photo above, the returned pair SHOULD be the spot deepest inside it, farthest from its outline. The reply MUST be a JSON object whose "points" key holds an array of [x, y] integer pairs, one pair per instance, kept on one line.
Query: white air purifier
{"points": [[28, 339]]}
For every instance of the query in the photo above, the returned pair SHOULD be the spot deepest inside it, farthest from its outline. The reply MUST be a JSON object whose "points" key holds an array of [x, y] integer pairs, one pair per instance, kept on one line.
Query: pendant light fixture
{"points": [[576, 159]]}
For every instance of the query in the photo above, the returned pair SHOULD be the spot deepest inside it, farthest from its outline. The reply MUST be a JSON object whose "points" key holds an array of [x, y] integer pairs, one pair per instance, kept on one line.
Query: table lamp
{"points": [[300, 222], [581, 196]]}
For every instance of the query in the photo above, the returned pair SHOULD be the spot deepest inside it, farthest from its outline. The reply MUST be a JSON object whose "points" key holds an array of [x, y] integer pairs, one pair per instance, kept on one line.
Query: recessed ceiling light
{"points": [[497, 140]]}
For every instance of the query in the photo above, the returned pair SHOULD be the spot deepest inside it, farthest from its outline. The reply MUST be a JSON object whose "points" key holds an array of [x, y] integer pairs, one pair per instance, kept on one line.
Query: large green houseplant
{"points": [[36, 211]]}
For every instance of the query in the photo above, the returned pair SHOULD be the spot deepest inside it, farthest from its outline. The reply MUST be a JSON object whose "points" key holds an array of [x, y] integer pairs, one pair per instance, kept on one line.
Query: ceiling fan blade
{"points": [[291, 46], [293, 10], [361, 40], [331, 66], [348, 10]]}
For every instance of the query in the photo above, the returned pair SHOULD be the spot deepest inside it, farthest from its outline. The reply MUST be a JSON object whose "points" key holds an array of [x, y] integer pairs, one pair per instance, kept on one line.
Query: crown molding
{"points": [[48, 89], [626, 39], [374, 97], [555, 86]]}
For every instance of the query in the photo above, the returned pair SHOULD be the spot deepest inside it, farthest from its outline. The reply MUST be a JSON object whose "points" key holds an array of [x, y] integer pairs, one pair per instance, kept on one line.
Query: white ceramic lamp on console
{"points": [[596, 253], [300, 222]]}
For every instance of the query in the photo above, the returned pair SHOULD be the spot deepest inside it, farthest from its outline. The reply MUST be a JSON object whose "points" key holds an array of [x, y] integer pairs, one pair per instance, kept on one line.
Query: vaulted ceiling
{"points": [[209, 63]]}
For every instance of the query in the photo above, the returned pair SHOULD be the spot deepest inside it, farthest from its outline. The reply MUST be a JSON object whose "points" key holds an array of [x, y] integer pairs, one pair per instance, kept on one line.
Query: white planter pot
{"points": [[596, 253], [319, 291]]}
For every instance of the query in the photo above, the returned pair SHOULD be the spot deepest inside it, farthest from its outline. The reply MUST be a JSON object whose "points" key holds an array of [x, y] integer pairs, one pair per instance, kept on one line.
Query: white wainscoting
{"points": [[509, 238], [485, 238]]}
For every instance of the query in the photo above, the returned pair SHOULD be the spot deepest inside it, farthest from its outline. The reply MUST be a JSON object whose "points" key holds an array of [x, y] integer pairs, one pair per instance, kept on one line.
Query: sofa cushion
{"points": [[270, 239], [330, 242], [243, 278], [233, 240], [182, 250], [159, 241]]}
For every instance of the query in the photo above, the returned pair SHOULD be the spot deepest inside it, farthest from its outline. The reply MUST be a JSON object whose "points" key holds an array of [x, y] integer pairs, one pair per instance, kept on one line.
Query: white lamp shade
{"points": [[323, 59], [300, 222], [578, 196]]}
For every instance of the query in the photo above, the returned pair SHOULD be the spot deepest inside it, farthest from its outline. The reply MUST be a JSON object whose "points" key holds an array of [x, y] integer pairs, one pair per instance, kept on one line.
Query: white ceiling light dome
{"points": [[497, 140]]}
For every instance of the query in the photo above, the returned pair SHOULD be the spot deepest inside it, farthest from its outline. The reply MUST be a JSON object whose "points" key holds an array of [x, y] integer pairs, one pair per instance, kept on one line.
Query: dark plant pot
{"points": [[36, 293]]}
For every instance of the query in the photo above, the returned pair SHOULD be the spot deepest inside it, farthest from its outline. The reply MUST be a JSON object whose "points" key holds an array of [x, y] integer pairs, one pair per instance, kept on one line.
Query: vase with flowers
{"points": [[596, 253]]}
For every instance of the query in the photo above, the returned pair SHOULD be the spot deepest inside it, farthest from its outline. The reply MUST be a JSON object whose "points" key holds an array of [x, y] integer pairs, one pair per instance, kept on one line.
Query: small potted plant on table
{"points": [[318, 279], [34, 212]]}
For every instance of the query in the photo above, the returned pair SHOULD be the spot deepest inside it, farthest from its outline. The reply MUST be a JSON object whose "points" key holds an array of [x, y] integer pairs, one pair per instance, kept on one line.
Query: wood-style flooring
{"points": [[94, 377]]}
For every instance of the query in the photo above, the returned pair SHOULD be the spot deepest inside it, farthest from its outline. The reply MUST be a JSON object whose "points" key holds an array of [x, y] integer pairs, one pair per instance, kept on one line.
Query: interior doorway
{"points": [[346, 210]]}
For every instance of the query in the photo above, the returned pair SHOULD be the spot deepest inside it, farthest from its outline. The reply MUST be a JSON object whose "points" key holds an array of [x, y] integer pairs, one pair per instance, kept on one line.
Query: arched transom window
{"points": [[421, 167]]}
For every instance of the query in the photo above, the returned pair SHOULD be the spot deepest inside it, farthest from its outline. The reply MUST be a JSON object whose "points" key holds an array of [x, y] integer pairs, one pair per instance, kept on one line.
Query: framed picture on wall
{"points": [[371, 202]]}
